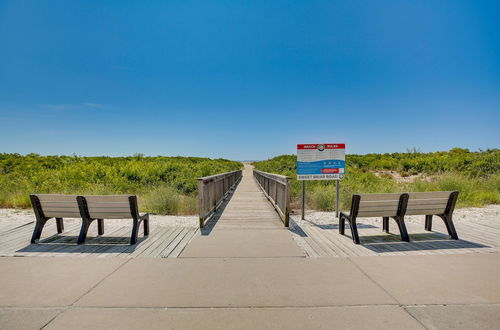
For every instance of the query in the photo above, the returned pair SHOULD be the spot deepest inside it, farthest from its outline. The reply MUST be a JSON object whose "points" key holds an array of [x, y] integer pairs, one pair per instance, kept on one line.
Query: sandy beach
{"points": [[11, 217], [466, 214], [16, 217]]}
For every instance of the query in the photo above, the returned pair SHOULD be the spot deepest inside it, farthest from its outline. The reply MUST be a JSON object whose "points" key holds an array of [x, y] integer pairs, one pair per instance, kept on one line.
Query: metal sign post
{"points": [[337, 187], [303, 200]]}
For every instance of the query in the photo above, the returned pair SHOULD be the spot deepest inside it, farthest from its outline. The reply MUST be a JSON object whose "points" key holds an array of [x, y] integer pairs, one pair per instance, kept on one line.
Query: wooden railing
{"points": [[277, 190], [212, 190]]}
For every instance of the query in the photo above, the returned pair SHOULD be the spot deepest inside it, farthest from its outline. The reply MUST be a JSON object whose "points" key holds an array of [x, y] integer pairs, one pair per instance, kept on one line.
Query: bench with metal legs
{"points": [[397, 206], [440, 203], [374, 205], [47, 206], [110, 207]]}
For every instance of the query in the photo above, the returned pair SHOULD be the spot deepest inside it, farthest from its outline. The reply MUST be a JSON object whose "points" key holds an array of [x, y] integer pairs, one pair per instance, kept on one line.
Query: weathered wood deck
{"points": [[162, 242], [319, 240]]}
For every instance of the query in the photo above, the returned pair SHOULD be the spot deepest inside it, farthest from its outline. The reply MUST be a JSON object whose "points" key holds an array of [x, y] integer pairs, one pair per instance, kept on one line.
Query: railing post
{"points": [[288, 188], [201, 202]]}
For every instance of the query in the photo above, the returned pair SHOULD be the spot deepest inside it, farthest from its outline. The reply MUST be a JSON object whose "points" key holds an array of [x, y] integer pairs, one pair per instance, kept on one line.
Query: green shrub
{"points": [[475, 174], [161, 180]]}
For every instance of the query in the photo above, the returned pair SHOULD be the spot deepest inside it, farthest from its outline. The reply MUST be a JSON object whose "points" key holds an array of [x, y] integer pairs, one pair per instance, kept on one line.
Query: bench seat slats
{"points": [[61, 214], [59, 203], [374, 205], [111, 215], [437, 201], [388, 208], [425, 211], [429, 194], [380, 197], [367, 204], [107, 198], [57, 198], [378, 213], [109, 206], [59, 206], [427, 203]]}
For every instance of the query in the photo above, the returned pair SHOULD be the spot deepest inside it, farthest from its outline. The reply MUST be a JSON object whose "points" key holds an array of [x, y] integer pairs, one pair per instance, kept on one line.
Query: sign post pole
{"points": [[337, 187], [303, 200]]}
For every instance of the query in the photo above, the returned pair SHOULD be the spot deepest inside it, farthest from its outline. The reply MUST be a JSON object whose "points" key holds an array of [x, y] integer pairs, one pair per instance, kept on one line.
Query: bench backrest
{"points": [[375, 205], [432, 202], [111, 206], [57, 206]]}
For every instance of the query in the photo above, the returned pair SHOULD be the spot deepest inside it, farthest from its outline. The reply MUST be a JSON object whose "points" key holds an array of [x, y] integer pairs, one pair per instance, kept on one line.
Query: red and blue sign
{"points": [[321, 161]]}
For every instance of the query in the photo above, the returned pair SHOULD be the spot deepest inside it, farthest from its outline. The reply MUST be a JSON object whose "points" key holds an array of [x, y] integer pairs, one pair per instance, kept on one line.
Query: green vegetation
{"points": [[475, 174], [165, 185]]}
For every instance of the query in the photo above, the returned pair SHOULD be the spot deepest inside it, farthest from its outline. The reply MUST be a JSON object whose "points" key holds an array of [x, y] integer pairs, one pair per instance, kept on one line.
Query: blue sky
{"points": [[247, 79]]}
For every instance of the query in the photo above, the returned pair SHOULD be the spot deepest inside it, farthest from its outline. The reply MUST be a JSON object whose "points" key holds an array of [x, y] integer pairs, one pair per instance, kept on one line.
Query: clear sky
{"points": [[248, 79]]}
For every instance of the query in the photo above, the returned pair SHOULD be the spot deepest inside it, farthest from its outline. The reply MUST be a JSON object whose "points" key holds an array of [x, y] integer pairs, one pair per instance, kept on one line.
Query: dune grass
{"points": [[475, 174], [164, 185]]}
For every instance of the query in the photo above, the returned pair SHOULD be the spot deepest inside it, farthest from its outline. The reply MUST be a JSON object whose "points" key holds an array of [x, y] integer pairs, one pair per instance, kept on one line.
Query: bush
{"points": [[475, 174], [161, 180]]}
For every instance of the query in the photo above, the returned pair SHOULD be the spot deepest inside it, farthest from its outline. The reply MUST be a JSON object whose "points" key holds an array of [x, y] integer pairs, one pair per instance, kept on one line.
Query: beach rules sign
{"points": [[321, 161]]}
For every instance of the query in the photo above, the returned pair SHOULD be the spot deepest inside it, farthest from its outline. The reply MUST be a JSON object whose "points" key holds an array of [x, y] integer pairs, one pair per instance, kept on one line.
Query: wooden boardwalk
{"points": [[246, 226]]}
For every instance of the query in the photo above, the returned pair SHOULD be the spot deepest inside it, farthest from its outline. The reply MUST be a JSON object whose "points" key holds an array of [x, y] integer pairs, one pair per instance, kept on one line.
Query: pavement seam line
{"points": [[99, 282], [55, 316], [84, 294], [413, 317], [387, 292], [373, 281]]}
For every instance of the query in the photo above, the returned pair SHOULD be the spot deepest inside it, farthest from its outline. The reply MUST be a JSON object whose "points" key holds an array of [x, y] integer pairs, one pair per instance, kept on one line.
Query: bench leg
{"points": [[100, 226], [146, 226], [402, 228], [341, 225], [449, 226], [135, 230], [60, 225], [83, 231], [354, 231], [428, 222], [385, 224], [37, 232]]}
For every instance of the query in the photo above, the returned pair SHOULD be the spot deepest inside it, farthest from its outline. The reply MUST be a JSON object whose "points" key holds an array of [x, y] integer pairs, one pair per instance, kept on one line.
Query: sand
{"points": [[477, 214], [12, 217]]}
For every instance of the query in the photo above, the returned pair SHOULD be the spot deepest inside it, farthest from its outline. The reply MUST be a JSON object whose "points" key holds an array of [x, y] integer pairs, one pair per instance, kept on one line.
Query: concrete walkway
{"points": [[248, 227], [247, 273], [393, 292]]}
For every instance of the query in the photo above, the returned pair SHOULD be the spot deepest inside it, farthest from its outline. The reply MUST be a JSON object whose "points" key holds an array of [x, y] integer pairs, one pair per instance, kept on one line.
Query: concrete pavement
{"points": [[429, 291]]}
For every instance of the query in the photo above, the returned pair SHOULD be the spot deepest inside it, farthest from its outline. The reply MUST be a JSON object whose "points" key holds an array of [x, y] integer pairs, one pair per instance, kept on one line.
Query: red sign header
{"points": [[326, 145]]}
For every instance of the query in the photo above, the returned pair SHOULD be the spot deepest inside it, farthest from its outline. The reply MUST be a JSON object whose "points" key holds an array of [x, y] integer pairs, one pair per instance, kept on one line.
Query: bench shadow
{"points": [[418, 242], [296, 229], [214, 217], [97, 244], [391, 242]]}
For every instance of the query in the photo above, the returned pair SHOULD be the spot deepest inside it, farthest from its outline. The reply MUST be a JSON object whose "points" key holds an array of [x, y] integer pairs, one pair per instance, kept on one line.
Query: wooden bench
{"points": [[110, 207], [440, 203], [375, 205], [50, 206], [88, 208], [397, 206]]}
